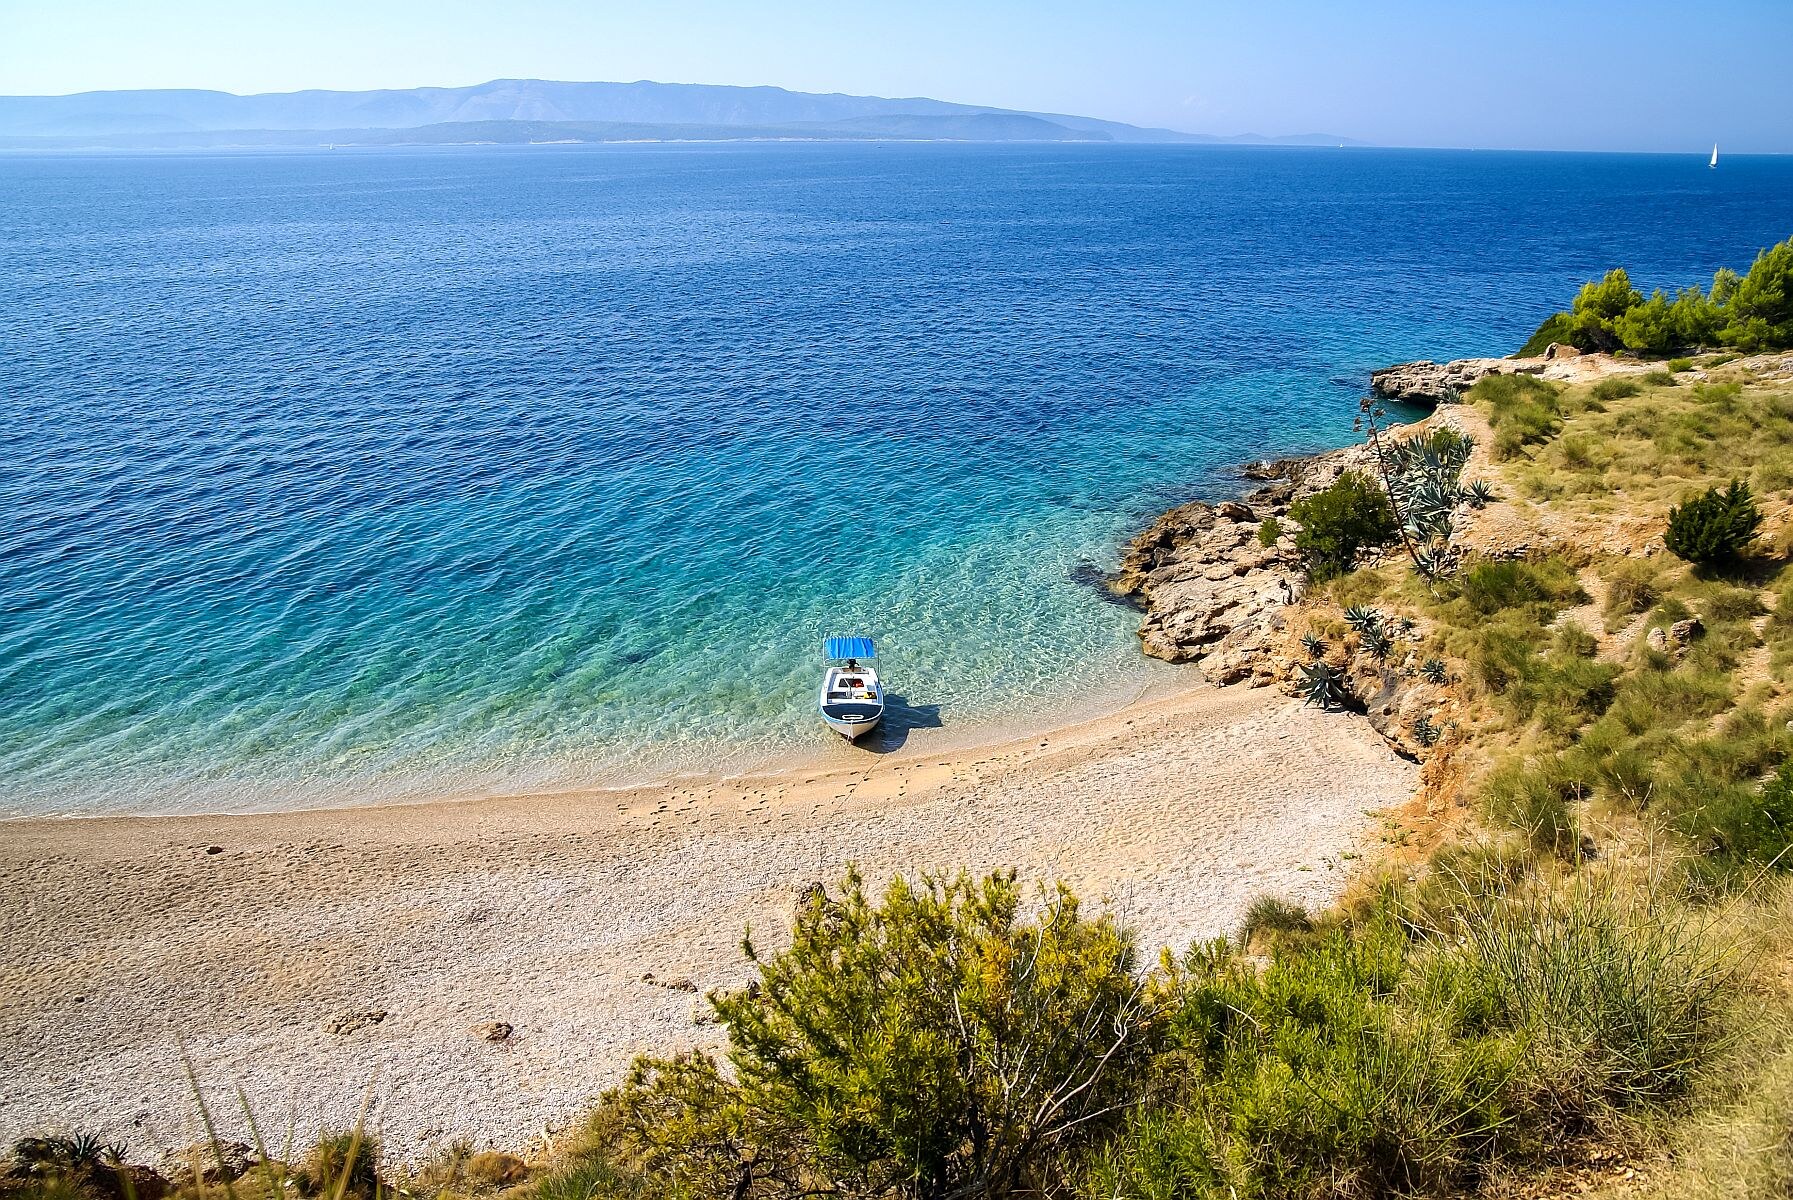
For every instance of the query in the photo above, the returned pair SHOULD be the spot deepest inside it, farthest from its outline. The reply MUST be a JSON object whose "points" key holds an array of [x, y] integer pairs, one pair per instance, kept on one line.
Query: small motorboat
{"points": [[852, 699]]}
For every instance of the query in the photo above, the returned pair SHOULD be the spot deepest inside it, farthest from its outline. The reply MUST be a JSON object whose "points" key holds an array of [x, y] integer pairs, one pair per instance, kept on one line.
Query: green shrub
{"points": [[1308, 1080], [1272, 918], [1616, 388], [1714, 529], [1557, 327], [1523, 410], [1268, 531], [1338, 524], [1560, 692], [1616, 998], [1633, 586], [1759, 315], [1658, 378], [1649, 327], [1495, 584], [341, 1164], [884, 1053], [1597, 308], [1741, 825], [1678, 365], [1533, 800]]}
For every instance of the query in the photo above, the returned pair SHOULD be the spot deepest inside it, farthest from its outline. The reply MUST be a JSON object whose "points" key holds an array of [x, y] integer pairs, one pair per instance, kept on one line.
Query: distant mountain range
{"points": [[538, 110]]}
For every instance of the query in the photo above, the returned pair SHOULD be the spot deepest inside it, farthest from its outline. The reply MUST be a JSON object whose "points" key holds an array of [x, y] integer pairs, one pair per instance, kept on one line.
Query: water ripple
{"points": [[354, 476]]}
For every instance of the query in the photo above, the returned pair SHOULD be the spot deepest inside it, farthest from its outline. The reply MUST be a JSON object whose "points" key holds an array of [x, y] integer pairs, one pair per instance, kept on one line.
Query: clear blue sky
{"points": [[1577, 74]]}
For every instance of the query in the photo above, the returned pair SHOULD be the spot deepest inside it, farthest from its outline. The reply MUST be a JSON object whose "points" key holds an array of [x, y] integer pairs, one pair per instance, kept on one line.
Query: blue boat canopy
{"points": [[849, 647]]}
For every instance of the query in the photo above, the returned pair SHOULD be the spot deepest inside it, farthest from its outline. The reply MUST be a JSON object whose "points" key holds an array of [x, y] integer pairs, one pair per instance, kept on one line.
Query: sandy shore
{"points": [[249, 940]]}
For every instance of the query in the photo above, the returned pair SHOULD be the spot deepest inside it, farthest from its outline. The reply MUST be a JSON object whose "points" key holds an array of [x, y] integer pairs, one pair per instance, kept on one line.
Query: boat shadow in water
{"points": [[900, 717]]}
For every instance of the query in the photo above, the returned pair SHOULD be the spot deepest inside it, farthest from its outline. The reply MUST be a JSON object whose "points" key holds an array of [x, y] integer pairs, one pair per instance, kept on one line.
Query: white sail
{"points": [[1714, 161]]}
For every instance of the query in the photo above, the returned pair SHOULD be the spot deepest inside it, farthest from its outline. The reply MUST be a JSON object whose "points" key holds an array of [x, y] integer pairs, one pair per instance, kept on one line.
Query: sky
{"points": [[1576, 74]]}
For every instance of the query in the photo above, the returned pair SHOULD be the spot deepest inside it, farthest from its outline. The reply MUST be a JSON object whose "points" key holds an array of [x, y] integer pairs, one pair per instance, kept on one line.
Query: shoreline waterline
{"points": [[252, 941], [832, 755]]}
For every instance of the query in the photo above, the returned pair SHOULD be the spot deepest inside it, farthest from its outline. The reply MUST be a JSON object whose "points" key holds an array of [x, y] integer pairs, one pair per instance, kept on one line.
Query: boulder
{"points": [[1558, 350], [493, 1031], [1683, 633], [1232, 510], [1657, 640]]}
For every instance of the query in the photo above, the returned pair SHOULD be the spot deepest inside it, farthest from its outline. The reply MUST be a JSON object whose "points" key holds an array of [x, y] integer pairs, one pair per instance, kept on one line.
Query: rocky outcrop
{"points": [[1212, 592], [1427, 382]]}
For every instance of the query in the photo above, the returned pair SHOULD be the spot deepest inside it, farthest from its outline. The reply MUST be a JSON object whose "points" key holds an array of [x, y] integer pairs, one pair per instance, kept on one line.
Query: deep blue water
{"points": [[367, 474]]}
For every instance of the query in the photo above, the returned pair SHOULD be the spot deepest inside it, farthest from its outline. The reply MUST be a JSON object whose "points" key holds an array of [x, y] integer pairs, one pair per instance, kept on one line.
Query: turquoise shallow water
{"points": [[357, 476]]}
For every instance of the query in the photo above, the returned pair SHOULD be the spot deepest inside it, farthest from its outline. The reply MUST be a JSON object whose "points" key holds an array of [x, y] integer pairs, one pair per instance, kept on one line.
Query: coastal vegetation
{"points": [[1750, 312], [1339, 524], [1575, 959], [1714, 529]]}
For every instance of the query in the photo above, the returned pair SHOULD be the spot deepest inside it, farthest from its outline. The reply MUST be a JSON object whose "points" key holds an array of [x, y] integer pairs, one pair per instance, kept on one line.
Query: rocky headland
{"points": [[1217, 595]]}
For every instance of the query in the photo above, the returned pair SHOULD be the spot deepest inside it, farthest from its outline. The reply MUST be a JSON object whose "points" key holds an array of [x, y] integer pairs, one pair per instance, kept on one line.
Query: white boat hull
{"points": [[851, 730], [851, 700]]}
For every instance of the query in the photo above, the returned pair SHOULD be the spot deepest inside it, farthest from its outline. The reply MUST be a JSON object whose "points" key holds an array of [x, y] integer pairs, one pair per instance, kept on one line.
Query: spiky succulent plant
{"points": [[1434, 561], [1361, 617], [1433, 671], [1405, 627], [1479, 494], [1425, 732], [1314, 644], [1322, 684], [1377, 643]]}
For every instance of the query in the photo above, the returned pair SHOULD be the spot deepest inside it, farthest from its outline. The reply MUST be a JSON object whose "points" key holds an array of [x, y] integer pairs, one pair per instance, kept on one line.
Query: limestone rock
{"points": [[1427, 382], [1657, 640], [1558, 350], [1210, 590], [1683, 633], [493, 1031]]}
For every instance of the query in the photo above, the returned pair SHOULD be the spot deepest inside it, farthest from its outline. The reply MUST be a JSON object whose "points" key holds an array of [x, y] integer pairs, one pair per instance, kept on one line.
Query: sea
{"points": [[360, 476]]}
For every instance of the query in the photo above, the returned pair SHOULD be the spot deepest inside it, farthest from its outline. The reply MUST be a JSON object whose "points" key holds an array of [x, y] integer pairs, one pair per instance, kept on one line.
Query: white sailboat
{"points": [[852, 699], [1714, 161]]}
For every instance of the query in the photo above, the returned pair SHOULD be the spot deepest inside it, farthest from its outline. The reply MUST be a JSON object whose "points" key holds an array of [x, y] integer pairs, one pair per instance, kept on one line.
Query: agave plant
{"points": [[1405, 627], [1433, 671], [1314, 644], [1434, 561], [1451, 448], [1361, 617], [1425, 732], [1322, 684], [1479, 494], [38, 1155], [1376, 641]]}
